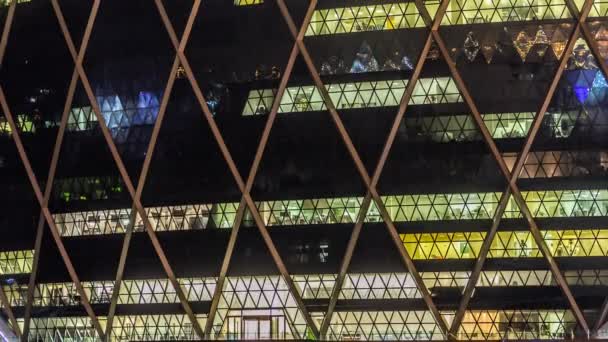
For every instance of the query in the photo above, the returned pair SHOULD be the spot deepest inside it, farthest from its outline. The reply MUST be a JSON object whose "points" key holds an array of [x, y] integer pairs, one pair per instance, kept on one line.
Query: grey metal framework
{"points": [[245, 186]]}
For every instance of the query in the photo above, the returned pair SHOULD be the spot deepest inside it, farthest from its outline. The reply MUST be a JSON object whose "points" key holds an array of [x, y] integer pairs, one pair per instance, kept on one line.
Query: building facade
{"points": [[323, 170]]}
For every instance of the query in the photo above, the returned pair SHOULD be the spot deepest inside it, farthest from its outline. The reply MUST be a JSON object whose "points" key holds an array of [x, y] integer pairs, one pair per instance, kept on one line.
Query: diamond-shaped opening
{"points": [[250, 54], [440, 150], [254, 286], [499, 282], [36, 93], [365, 55], [563, 186], [33, 95], [56, 293], [599, 8], [128, 74], [508, 66], [575, 115], [87, 180], [19, 215]]}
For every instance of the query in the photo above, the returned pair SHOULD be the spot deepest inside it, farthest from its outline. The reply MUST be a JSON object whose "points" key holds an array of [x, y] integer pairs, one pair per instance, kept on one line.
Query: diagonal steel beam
{"points": [[254, 169], [504, 200], [365, 204], [232, 167], [140, 185], [433, 24], [43, 200], [51, 176], [374, 182], [593, 45], [601, 321], [392, 230], [47, 214], [6, 307], [123, 171], [516, 194], [3, 43], [144, 173]]}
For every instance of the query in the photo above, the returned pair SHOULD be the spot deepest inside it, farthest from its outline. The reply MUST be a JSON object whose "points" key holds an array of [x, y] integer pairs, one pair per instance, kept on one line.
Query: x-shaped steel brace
{"points": [[43, 199], [122, 169], [372, 193], [512, 189], [374, 182], [244, 188]]}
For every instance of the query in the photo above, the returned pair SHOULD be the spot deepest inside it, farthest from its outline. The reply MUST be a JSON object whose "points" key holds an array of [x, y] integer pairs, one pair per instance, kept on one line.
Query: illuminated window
{"points": [[364, 18], [119, 113], [64, 329], [16, 262], [516, 324], [456, 128], [506, 244], [474, 12], [431, 207], [24, 123], [443, 245], [599, 8], [401, 208], [155, 327], [247, 2], [383, 325], [267, 297], [549, 164], [158, 291], [567, 203], [354, 95], [86, 188], [5, 3]]}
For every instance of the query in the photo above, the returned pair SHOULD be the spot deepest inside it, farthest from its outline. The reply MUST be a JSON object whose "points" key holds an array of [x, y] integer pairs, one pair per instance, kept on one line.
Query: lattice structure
{"points": [[516, 325], [247, 2], [598, 9], [234, 299], [383, 325], [157, 291], [567, 203], [458, 128], [154, 328], [16, 262], [354, 95], [549, 164], [59, 294], [364, 18], [54, 329], [478, 12], [86, 188], [24, 122], [401, 208], [251, 296], [506, 244]]}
